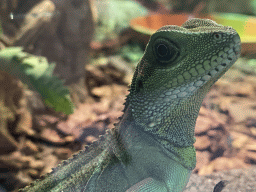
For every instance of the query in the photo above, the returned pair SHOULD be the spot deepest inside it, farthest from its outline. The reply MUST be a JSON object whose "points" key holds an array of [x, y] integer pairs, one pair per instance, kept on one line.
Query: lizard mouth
{"points": [[225, 63]]}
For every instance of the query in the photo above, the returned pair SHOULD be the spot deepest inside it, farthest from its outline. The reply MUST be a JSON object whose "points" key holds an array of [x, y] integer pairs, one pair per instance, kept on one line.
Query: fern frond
{"points": [[37, 73]]}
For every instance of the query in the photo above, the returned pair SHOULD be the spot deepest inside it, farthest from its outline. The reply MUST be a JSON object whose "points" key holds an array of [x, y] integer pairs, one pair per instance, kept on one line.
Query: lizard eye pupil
{"points": [[165, 51], [162, 50]]}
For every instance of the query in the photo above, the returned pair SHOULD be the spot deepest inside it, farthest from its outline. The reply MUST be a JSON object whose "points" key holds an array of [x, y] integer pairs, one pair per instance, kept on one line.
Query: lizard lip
{"points": [[237, 50], [221, 67], [227, 62]]}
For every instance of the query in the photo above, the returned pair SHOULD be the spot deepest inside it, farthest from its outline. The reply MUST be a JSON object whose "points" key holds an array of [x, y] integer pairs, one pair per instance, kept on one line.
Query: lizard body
{"points": [[151, 148]]}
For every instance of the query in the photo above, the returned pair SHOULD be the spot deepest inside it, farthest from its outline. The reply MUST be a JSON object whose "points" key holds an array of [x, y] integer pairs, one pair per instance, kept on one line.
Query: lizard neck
{"points": [[132, 137], [174, 134], [170, 122]]}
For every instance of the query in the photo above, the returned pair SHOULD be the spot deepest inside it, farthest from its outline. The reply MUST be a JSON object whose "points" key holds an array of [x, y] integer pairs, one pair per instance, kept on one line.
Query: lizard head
{"points": [[181, 63]]}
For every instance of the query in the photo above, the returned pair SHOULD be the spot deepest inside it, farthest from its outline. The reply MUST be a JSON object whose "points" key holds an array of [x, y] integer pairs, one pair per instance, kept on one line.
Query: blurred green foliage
{"points": [[252, 64], [37, 73], [114, 16], [253, 4], [132, 53]]}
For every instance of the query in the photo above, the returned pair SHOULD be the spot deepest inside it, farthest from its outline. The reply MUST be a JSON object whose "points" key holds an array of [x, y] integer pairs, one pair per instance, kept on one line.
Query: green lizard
{"points": [[151, 148]]}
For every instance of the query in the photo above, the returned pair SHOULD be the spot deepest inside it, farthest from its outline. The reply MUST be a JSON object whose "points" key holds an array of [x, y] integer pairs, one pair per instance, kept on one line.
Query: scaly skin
{"points": [[151, 148]]}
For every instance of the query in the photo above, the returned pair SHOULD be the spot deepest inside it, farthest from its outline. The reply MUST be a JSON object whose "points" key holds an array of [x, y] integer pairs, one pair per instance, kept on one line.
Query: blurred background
{"points": [[96, 45]]}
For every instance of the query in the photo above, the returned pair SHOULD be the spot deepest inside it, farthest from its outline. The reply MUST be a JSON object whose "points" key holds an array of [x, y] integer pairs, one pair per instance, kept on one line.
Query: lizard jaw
{"points": [[218, 66], [226, 62]]}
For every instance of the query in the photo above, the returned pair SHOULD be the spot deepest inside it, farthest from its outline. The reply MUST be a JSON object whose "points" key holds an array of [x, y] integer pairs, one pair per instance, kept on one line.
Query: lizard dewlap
{"points": [[151, 148]]}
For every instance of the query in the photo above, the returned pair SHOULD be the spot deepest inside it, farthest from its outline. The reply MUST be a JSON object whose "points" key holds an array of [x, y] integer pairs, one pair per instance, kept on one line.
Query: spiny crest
{"points": [[110, 138], [97, 146]]}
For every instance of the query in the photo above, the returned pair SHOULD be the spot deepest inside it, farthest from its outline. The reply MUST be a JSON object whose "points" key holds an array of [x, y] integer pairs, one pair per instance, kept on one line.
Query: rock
{"points": [[29, 148], [242, 110], [202, 142], [202, 158], [242, 180], [52, 136], [62, 153], [202, 125]]}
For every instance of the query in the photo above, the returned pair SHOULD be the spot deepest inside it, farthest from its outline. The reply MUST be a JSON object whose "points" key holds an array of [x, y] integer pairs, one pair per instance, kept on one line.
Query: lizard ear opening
{"points": [[139, 85], [165, 51]]}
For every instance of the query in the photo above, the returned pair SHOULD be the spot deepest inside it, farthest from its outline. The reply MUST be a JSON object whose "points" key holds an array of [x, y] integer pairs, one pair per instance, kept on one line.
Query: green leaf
{"points": [[37, 73]]}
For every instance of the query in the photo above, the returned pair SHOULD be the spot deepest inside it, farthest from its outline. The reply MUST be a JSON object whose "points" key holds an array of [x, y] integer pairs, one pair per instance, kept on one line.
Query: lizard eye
{"points": [[217, 36], [165, 51]]}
